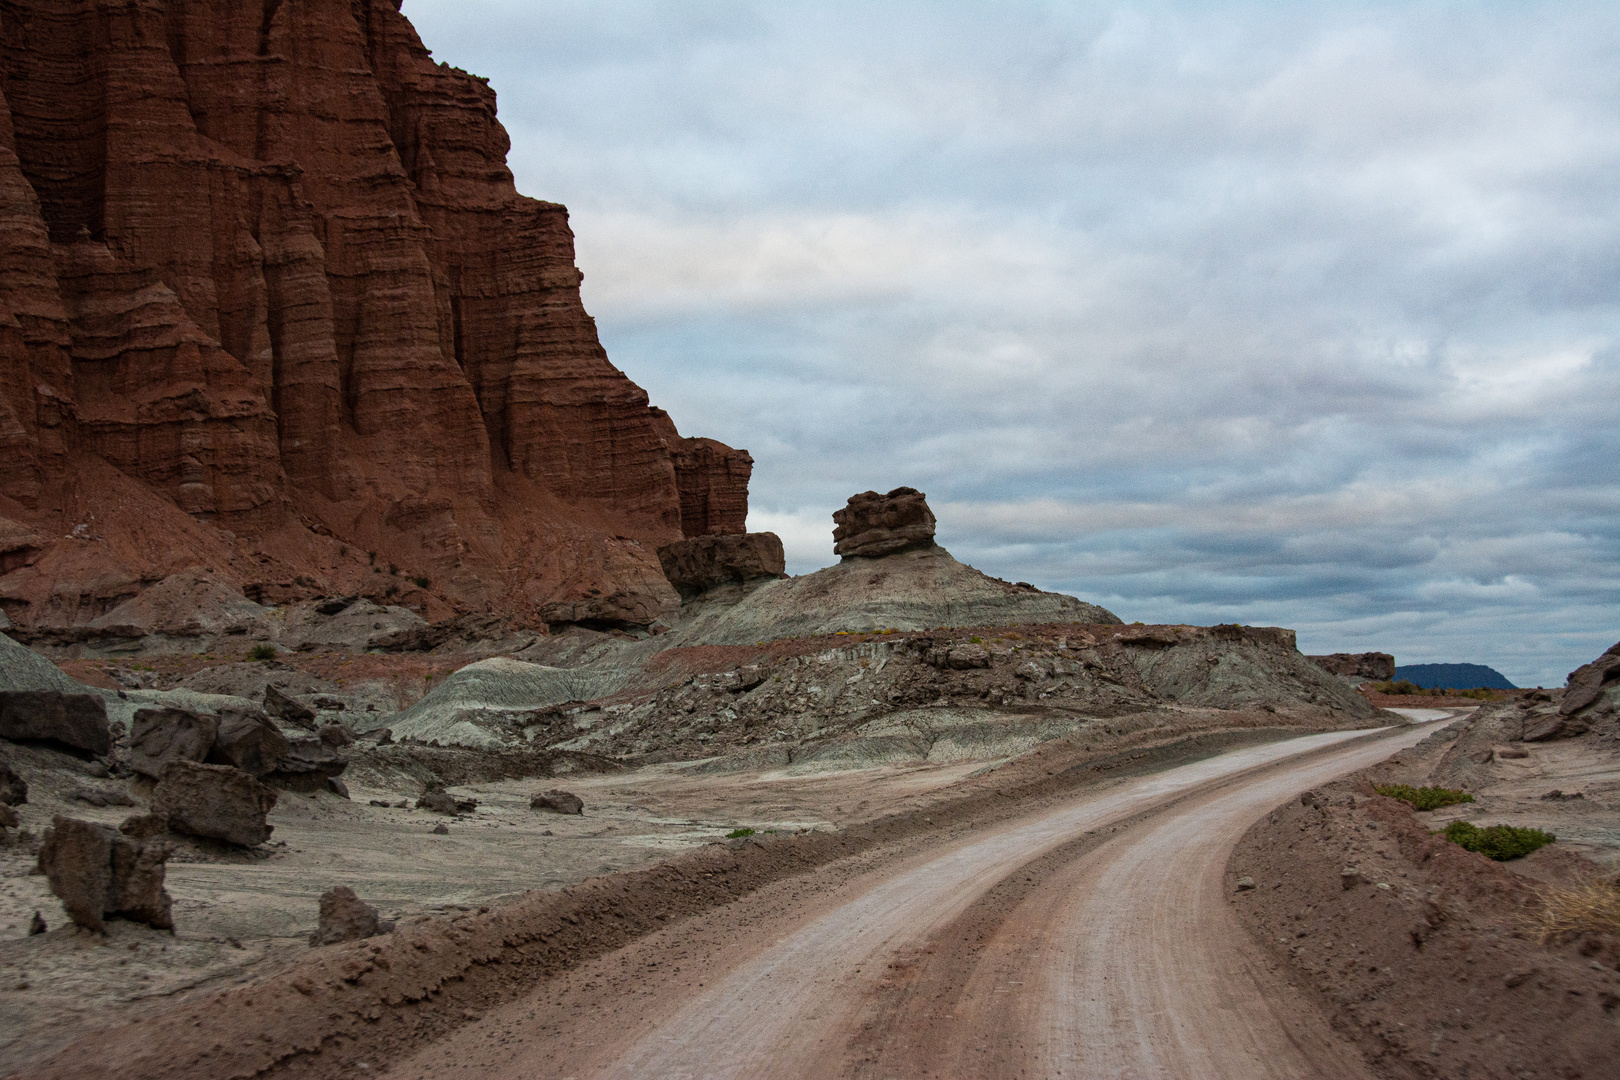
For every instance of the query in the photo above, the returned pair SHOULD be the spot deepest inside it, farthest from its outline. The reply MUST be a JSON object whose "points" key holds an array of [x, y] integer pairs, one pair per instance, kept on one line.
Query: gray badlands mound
{"points": [[919, 589], [490, 692], [892, 576]]}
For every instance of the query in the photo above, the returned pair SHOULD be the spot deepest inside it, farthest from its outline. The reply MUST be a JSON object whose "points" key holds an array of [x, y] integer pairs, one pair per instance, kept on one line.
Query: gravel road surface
{"points": [[1091, 938]]}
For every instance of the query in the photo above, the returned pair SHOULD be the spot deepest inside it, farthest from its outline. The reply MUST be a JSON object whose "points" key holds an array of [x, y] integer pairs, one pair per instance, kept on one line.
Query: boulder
{"points": [[873, 525], [288, 710], [98, 872], [218, 801], [77, 721], [963, 657], [248, 740], [558, 802], [345, 917], [307, 765], [160, 736], [335, 735], [13, 789], [438, 800], [1588, 682], [701, 563], [8, 817]]}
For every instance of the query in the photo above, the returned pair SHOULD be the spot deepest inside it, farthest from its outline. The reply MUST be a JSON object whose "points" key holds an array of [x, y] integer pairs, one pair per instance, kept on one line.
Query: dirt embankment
{"points": [[1425, 954], [374, 1000]]}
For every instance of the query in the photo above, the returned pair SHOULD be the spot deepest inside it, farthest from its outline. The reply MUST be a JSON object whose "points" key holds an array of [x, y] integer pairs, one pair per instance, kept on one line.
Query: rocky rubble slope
{"points": [[271, 309]]}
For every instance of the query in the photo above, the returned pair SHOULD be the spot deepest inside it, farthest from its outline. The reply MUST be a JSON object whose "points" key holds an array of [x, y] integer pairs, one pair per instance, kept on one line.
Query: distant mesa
{"points": [[1457, 676], [874, 525]]}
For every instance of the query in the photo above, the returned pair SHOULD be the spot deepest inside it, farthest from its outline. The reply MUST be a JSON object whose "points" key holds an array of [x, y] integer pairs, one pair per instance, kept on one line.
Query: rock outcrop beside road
{"points": [[277, 314]]}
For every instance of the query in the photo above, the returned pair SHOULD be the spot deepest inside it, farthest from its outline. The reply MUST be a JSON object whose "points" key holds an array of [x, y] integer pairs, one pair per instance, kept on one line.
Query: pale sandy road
{"points": [[1128, 962], [791, 1007]]}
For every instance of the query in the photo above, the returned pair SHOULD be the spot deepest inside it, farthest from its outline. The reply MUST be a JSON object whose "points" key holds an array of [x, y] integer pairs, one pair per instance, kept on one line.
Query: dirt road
{"points": [[1091, 939]]}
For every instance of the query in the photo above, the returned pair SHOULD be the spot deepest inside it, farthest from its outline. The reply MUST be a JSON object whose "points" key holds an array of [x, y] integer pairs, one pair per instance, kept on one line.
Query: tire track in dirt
{"points": [[789, 1006], [1126, 961]]}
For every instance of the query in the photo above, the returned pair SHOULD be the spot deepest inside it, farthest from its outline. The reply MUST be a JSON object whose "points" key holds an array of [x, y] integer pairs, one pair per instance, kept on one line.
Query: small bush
{"points": [[1592, 908], [976, 640], [421, 582], [262, 652], [1424, 798], [738, 834], [1499, 842]]}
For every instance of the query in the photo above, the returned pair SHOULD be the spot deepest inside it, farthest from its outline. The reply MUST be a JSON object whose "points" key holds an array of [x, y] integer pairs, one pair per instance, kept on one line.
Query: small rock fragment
{"points": [[1556, 795], [13, 790], [345, 917], [337, 787], [558, 802], [442, 829], [1244, 884], [1349, 877], [8, 817], [100, 797]]}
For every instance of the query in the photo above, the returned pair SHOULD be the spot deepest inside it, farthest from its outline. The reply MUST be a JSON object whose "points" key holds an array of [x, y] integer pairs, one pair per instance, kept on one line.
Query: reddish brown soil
{"points": [[1428, 959]]}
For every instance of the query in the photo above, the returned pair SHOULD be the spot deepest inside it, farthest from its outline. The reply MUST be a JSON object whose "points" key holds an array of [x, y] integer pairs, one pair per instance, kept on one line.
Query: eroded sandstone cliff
{"points": [[270, 303]]}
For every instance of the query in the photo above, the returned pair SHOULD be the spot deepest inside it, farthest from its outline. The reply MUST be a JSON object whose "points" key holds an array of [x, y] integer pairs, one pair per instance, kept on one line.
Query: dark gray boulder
{"points": [[77, 721], [345, 917], [248, 740], [218, 801], [160, 736], [288, 710], [99, 873], [558, 802]]}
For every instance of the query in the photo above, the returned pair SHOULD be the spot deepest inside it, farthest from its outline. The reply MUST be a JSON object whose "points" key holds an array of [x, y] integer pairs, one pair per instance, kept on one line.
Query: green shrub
{"points": [[1499, 842], [738, 834], [262, 652], [1424, 798]]}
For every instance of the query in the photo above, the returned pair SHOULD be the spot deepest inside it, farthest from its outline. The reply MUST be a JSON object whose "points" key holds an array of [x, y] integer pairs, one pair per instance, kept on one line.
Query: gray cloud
{"points": [[1293, 314]]}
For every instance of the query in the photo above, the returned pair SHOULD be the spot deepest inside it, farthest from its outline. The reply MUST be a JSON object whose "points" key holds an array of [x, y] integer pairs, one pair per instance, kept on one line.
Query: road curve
{"points": [[1130, 963]]}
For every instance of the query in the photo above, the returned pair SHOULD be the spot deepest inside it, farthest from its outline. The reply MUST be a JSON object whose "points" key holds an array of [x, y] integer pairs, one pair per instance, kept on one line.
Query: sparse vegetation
{"points": [[262, 652], [975, 639], [421, 581], [1499, 842], [738, 834], [1592, 908], [1424, 798]]}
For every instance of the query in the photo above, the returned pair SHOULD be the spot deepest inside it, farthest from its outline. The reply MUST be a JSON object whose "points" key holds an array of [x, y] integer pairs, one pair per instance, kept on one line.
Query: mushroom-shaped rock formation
{"points": [[874, 525]]}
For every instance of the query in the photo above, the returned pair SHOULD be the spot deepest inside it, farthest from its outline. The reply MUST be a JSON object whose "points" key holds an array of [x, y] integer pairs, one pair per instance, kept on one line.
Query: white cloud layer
{"points": [[1292, 314]]}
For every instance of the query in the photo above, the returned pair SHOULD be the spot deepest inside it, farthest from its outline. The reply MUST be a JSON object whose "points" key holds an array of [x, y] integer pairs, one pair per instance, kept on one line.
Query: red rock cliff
{"points": [[264, 265]]}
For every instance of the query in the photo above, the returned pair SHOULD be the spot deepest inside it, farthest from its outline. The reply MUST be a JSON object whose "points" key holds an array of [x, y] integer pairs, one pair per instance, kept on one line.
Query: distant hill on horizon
{"points": [[1455, 676]]}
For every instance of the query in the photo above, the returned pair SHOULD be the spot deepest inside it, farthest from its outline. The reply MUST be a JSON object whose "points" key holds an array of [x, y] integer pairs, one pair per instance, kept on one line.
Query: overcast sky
{"points": [[1290, 314]]}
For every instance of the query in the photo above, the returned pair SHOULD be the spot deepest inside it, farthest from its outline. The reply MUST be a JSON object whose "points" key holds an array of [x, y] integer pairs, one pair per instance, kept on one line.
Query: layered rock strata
{"points": [[270, 304], [702, 563], [1369, 665], [874, 525]]}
